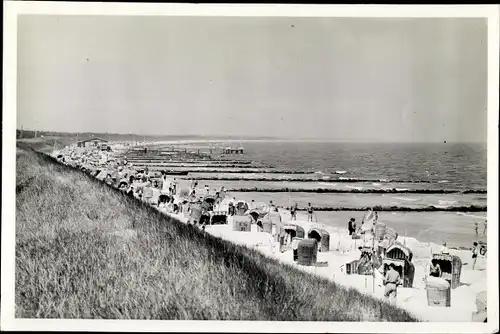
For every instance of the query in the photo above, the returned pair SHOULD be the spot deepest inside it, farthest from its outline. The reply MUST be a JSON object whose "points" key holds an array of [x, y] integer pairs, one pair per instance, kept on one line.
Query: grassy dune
{"points": [[83, 250]]}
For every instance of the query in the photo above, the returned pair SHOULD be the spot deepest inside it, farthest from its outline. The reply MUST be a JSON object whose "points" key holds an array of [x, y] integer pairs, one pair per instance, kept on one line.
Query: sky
{"points": [[340, 79]]}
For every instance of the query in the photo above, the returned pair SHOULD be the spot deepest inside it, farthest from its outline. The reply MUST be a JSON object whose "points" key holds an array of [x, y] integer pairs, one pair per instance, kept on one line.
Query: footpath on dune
{"points": [[84, 250]]}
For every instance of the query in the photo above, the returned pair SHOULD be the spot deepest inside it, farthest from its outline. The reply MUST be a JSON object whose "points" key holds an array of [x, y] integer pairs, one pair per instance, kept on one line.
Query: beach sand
{"points": [[343, 250]]}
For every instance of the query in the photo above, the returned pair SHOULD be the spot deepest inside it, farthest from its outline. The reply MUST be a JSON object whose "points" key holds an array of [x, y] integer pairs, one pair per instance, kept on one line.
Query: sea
{"points": [[408, 168]]}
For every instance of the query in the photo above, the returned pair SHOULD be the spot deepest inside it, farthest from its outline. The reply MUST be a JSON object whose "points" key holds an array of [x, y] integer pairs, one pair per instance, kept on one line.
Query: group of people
{"points": [[169, 186], [295, 207], [353, 229], [141, 184], [485, 227]]}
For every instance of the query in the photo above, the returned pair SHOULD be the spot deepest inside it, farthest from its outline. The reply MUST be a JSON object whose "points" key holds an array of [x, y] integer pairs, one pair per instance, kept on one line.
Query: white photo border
{"points": [[13, 9]]}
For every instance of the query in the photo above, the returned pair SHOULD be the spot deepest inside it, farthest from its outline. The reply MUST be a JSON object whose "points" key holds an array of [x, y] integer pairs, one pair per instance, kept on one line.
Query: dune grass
{"points": [[83, 250]]}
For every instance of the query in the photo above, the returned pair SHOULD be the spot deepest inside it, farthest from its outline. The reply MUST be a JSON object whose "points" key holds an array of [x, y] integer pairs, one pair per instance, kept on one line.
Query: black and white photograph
{"points": [[262, 167]]}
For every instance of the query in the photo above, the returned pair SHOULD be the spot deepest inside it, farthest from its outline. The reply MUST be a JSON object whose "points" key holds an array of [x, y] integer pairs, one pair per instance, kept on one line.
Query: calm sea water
{"points": [[458, 165]]}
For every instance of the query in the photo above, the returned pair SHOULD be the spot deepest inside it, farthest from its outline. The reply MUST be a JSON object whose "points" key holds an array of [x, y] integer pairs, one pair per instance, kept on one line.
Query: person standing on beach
{"points": [[121, 174], [293, 211], [476, 226], [351, 226], [191, 188], [309, 212], [130, 191], [174, 187], [485, 226], [164, 186], [444, 249], [231, 210], [391, 281], [271, 206], [474, 254]]}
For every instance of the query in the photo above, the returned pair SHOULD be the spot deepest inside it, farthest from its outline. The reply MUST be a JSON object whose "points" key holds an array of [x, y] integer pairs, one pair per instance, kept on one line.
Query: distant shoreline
{"points": [[29, 134]]}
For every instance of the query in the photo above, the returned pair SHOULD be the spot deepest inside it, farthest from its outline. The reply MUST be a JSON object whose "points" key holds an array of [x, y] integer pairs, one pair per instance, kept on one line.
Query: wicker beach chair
{"points": [[402, 253], [294, 231], [307, 252], [322, 237], [242, 223], [451, 268]]}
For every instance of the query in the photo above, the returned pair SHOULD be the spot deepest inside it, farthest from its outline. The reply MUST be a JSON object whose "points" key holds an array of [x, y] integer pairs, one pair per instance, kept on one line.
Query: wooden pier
{"points": [[232, 150]]}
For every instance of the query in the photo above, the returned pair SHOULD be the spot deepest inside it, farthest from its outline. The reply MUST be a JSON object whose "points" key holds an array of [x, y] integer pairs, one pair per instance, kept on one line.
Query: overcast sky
{"points": [[331, 78]]}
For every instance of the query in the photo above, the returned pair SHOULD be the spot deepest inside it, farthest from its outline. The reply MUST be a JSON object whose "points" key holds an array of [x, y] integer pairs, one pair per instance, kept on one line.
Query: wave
{"points": [[357, 188], [443, 181], [327, 184], [341, 191], [341, 172], [469, 215], [442, 202], [432, 208], [409, 199]]}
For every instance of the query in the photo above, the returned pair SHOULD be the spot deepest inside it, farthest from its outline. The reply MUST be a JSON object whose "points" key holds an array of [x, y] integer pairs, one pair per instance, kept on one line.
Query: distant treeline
{"points": [[431, 208], [359, 191]]}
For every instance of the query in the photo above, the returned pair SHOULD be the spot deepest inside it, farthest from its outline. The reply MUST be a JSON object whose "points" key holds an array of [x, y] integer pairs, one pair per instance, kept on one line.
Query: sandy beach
{"points": [[343, 249]]}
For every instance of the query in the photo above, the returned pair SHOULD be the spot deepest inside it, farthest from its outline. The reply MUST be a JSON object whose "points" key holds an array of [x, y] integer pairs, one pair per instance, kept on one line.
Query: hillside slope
{"points": [[83, 250]]}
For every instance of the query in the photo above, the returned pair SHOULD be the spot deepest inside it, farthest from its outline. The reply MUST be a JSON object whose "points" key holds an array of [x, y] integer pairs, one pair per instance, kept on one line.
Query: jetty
{"points": [[233, 150]]}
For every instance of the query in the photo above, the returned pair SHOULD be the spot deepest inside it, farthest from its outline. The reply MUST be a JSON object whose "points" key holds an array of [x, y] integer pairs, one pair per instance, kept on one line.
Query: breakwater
{"points": [[431, 208], [359, 191], [238, 171], [329, 180], [166, 165]]}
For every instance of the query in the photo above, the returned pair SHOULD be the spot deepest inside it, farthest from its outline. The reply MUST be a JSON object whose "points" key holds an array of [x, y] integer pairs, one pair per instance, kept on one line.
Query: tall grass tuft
{"points": [[83, 250]]}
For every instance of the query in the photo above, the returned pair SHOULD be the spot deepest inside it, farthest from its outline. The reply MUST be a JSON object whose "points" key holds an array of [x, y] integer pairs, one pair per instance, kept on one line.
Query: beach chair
{"points": [[351, 268], [195, 214], [399, 264], [242, 223], [257, 214], [451, 268], [322, 237], [267, 224], [241, 208], [438, 292], [404, 254], [294, 230], [307, 251], [218, 218]]}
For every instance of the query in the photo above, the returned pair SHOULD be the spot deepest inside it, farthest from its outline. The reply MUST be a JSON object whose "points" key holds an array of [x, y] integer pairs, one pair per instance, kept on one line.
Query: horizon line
{"points": [[246, 137]]}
